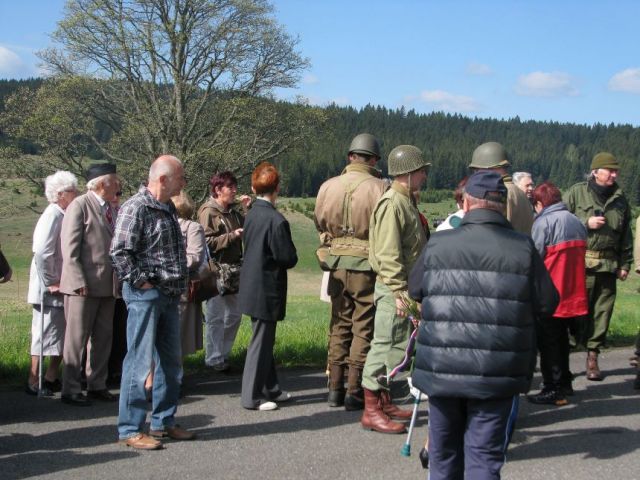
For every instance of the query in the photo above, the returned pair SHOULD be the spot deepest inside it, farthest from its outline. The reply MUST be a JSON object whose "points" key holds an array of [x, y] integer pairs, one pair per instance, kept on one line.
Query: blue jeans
{"points": [[468, 438], [153, 336]]}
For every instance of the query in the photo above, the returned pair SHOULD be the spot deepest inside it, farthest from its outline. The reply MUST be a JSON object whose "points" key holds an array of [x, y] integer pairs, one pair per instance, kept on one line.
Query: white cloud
{"points": [[546, 84], [310, 79], [445, 101], [475, 68], [626, 81], [10, 63]]}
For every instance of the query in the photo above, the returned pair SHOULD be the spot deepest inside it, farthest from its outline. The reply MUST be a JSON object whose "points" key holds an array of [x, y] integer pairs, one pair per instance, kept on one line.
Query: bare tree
{"points": [[191, 77]]}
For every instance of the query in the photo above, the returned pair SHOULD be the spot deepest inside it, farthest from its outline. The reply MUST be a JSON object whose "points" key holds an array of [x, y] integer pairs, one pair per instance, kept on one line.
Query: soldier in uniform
{"points": [[493, 156], [343, 208], [603, 208], [396, 239]]}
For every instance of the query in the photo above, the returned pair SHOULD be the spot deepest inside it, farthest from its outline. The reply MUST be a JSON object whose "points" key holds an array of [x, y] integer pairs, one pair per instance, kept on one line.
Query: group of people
{"points": [[90, 251], [515, 271]]}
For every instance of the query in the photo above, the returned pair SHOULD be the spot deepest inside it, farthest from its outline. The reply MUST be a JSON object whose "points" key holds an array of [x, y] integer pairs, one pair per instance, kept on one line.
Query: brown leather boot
{"points": [[593, 371], [392, 410], [374, 418], [336, 386]]}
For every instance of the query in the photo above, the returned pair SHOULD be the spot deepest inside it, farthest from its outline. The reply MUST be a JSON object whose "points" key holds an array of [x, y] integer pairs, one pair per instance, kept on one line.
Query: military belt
{"points": [[605, 254], [351, 246]]}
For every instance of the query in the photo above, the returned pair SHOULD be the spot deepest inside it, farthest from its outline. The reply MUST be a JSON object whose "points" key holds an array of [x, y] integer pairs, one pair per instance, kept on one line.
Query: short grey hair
{"points": [[101, 180], [499, 207], [517, 177], [59, 182]]}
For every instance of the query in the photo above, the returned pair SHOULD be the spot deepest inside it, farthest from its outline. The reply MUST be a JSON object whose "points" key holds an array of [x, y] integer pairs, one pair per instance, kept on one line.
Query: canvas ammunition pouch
{"points": [[592, 258]]}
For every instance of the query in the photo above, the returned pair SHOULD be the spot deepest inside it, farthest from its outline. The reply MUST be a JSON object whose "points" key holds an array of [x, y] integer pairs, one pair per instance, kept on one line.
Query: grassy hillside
{"points": [[302, 337]]}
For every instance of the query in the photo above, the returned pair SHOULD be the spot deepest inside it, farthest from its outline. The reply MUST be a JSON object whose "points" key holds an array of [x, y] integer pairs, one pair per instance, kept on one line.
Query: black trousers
{"points": [[259, 378], [553, 345]]}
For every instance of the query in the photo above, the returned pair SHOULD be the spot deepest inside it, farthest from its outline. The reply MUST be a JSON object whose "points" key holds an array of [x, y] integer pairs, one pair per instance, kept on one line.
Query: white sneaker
{"points": [[266, 406], [283, 397]]}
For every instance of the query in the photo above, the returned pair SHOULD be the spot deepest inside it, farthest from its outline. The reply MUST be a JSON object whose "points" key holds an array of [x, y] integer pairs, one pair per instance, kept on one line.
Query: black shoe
{"points": [[636, 382], [353, 402], [424, 458], [567, 390], [548, 397], [33, 390], [76, 399], [54, 386], [336, 398], [102, 395]]}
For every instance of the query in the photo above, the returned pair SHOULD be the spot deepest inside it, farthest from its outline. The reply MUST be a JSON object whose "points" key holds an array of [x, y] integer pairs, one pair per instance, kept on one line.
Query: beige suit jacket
{"points": [[86, 237]]}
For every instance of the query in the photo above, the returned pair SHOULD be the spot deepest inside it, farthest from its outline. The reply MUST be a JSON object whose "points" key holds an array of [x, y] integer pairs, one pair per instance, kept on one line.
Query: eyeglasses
{"points": [[69, 190]]}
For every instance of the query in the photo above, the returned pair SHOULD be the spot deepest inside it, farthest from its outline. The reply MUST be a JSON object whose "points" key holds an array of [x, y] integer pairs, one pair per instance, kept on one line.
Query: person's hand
{"points": [[82, 291], [238, 232], [7, 277], [146, 286], [245, 200], [622, 274], [54, 288], [595, 223], [400, 307]]}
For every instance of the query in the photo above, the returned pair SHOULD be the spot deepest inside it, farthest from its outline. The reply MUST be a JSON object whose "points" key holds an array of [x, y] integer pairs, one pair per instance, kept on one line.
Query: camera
{"points": [[598, 213]]}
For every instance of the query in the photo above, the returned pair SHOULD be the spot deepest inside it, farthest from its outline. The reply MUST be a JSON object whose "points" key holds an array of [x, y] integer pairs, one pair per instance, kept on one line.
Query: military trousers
{"points": [[352, 317], [601, 293], [390, 338]]}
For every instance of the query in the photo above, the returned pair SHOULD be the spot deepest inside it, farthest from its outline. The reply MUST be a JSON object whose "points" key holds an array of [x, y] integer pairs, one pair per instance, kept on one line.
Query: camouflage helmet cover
{"points": [[406, 159]]}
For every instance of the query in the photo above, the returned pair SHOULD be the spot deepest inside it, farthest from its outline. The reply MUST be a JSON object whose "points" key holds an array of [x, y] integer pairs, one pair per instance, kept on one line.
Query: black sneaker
{"points": [[548, 397], [567, 390]]}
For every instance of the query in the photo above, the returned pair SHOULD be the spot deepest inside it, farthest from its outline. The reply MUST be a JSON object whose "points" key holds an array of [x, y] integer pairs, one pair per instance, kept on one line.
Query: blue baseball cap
{"points": [[487, 185]]}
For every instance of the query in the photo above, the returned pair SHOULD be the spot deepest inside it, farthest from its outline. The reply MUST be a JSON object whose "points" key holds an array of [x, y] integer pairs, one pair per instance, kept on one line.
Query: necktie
{"points": [[109, 215]]}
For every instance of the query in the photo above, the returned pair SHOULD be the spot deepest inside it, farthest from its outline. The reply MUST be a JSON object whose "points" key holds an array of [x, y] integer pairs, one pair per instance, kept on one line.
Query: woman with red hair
{"points": [[561, 240], [268, 253]]}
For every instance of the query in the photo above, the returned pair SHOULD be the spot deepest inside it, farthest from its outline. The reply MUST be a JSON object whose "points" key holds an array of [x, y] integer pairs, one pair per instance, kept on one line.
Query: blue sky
{"points": [[565, 61]]}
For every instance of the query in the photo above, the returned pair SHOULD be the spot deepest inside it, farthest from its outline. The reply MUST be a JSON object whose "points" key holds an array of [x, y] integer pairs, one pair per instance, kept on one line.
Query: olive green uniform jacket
{"points": [[519, 211], [396, 238], [343, 208], [611, 247]]}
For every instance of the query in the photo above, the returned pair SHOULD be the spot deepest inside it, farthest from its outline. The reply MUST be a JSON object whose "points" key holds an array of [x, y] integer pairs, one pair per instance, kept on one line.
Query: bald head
{"points": [[163, 165], [166, 177]]}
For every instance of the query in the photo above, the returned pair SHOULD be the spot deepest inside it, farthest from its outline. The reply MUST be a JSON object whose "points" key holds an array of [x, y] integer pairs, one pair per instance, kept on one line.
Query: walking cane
{"points": [[41, 355], [417, 395]]}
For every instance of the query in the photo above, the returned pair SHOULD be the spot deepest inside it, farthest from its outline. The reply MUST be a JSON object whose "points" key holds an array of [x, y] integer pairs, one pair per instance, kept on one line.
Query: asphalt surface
{"points": [[596, 436]]}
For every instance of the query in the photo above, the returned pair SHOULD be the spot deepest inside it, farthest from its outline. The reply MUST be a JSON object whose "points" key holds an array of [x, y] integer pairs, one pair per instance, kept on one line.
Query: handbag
{"points": [[227, 277], [205, 286]]}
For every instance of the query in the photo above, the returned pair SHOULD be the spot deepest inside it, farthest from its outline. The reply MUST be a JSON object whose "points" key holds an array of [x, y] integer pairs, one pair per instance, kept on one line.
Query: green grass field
{"points": [[301, 338]]}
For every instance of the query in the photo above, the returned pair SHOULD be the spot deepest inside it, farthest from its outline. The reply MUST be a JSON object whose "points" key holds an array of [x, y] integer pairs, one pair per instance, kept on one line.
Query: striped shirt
{"points": [[147, 245]]}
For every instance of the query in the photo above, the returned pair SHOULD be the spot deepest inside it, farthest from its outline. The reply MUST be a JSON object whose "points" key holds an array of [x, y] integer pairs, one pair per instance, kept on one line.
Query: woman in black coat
{"points": [[268, 253]]}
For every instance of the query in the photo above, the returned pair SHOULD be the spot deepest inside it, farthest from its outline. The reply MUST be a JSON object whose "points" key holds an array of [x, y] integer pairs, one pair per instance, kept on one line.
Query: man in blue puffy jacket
{"points": [[482, 286]]}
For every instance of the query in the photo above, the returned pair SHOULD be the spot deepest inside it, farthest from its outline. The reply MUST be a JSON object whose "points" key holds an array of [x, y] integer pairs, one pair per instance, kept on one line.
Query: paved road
{"points": [[596, 436]]}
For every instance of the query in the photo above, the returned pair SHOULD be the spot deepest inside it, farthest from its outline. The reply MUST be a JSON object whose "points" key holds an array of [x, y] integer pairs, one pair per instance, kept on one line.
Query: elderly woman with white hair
{"points": [[44, 283]]}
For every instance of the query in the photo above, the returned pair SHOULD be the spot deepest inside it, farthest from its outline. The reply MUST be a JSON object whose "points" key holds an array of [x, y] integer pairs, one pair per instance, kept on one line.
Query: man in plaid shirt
{"points": [[149, 257]]}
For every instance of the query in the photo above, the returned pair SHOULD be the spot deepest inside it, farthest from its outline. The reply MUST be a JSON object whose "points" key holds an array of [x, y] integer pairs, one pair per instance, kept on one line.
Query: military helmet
{"points": [[406, 159], [489, 155], [365, 144]]}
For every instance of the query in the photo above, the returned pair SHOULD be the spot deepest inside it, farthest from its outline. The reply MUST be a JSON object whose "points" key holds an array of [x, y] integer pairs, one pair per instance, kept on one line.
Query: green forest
{"points": [[560, 152]]}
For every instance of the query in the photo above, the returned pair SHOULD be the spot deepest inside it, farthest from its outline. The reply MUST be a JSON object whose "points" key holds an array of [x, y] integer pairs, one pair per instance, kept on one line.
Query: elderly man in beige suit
{"points": [[88, 284]]}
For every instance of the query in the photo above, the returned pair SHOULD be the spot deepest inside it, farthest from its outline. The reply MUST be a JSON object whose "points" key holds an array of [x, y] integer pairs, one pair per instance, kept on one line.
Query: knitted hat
{"points": [[604, 160], [488, 185]]}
